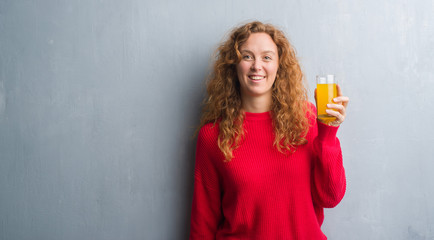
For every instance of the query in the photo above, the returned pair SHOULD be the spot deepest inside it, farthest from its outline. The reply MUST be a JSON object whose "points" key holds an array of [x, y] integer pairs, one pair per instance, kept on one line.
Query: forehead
{"points": [[259, 42]]}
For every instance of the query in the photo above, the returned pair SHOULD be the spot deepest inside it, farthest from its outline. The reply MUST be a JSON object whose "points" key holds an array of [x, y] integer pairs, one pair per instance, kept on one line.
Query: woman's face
{"points": [[258, 66]]}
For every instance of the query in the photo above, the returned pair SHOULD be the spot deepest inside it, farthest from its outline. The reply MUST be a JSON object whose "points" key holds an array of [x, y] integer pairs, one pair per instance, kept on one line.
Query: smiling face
{"points": [[257, 69]]}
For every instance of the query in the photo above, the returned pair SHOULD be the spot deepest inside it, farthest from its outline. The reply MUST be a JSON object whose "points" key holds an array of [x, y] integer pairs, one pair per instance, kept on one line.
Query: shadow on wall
{"points": [[2, 99], [414, 235], [193, 108]]}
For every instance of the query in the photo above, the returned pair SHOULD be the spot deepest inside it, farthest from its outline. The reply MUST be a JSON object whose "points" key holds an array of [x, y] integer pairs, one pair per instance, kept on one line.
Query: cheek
{"points": [[272, 70], [242, 68], [276, 68]]}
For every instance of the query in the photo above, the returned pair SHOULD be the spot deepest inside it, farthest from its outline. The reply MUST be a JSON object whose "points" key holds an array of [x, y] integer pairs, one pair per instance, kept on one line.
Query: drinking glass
{"points": [[325, 92]]}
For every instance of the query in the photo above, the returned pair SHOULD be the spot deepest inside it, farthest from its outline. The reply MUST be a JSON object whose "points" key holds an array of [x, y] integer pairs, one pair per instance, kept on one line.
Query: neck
{"points": [[256, 104]]}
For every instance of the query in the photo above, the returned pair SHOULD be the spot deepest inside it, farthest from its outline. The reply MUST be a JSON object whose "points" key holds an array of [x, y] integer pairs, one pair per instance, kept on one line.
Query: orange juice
{"points": [[325, 92]]}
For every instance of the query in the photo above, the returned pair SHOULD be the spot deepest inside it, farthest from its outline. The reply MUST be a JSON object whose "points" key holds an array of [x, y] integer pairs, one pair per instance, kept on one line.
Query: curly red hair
{"points": [[289, 95]]}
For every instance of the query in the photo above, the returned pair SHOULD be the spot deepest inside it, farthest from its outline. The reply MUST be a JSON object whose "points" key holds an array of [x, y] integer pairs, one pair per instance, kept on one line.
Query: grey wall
{"points": [[99, 99]]}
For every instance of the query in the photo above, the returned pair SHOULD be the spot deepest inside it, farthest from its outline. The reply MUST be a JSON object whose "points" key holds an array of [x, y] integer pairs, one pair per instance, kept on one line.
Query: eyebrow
{"points": [[267, 51]]}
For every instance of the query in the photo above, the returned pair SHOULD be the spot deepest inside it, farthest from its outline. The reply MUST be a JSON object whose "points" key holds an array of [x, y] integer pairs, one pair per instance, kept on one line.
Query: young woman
{"points": [[265, 167]]}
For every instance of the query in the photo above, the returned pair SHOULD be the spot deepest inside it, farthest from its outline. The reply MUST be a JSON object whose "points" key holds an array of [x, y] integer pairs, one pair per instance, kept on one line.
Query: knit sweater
{"points": [[262, 193]]}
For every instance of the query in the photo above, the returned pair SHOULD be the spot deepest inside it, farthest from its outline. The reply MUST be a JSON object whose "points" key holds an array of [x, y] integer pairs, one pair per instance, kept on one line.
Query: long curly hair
{"points": [[289, 95]]}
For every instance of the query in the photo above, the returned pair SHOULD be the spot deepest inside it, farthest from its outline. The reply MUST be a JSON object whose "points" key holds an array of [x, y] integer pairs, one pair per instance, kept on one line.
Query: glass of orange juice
{"points": [[325, 92]]}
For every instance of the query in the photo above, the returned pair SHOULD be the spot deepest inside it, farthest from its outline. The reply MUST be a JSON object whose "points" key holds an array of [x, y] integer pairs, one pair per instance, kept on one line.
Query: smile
{"points": [[256, 78]]}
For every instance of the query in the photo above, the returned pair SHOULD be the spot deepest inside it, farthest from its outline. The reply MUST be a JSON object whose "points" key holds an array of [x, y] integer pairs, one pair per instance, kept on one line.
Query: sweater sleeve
{"points": [[329, 183], [206, 211]]}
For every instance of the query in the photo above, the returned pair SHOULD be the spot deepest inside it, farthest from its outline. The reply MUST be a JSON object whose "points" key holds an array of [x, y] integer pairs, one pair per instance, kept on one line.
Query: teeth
{"points": [[256, 78]]}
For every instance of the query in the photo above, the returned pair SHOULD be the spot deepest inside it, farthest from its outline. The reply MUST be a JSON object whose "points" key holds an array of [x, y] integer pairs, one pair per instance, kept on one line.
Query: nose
{"points": [[256, 65]]}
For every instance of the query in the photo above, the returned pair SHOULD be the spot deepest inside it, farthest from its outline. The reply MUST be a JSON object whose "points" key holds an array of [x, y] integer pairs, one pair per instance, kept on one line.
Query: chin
{"points": [[258, 93]]}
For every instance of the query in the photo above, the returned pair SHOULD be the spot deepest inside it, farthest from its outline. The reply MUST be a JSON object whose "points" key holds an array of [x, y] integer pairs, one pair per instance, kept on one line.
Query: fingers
{"points": [[339, 90], [338, 111], [339, 117], [341, 99], [337, 107], [315, 98]]}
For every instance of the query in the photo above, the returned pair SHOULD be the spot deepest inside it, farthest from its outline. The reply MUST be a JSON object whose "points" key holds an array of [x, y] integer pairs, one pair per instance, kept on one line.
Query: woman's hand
{"points": [[339, 108]]}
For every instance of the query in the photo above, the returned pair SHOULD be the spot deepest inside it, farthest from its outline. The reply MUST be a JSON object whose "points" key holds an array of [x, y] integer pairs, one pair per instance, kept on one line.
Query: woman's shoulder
{"points": [[208, 132], [311, 112], [310, 106], [311, 118]]}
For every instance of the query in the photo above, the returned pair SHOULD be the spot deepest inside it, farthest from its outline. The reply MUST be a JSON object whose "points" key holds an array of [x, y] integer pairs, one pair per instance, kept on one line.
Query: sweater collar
{"points": [[257, 116]]}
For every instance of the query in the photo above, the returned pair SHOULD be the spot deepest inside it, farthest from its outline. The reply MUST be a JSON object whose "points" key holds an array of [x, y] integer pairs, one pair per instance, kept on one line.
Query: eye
{"points": [[267, 58], [247, 57]]}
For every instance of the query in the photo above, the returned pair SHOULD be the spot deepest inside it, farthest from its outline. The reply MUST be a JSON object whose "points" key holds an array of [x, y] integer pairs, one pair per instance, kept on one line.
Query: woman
{"points": [[265, 168]]}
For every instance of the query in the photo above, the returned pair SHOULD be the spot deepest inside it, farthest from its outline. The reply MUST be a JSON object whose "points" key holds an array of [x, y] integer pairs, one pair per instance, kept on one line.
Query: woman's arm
{"points": [[329, 182], [206, 211]]}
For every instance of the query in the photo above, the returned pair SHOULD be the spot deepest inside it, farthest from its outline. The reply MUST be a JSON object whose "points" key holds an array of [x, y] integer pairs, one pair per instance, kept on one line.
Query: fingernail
{"points": [[329, 105]]}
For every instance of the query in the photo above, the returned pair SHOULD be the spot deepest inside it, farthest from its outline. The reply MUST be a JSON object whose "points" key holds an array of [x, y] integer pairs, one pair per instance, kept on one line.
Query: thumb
{"points": [[316, 101]]}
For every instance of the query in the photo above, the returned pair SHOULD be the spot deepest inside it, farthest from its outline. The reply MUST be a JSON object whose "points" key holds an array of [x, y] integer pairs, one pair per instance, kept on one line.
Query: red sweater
{"points": [[262, 193]]}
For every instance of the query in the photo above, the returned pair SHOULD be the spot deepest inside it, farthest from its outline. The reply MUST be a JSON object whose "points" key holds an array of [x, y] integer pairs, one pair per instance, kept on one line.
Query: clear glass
{"points": [[325, 92]]}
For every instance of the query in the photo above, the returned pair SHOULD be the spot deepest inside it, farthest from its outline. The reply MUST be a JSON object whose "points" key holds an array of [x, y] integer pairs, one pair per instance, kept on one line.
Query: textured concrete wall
{"points": [[99, 99]]}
